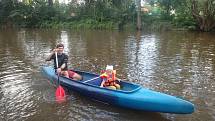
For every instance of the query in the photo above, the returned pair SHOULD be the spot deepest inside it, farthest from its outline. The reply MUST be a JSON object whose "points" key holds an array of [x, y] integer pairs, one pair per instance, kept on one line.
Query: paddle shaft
{"points": [[92, 79], [57, 68]]}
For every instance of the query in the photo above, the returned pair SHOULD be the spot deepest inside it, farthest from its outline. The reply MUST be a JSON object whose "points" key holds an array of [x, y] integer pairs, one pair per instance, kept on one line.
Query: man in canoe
{"points": [[109, 78], [62, 63]]}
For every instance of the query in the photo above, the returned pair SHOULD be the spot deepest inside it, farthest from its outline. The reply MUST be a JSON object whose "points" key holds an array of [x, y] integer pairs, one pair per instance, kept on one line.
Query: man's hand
{"points": [[55, 50], [59, 70]]}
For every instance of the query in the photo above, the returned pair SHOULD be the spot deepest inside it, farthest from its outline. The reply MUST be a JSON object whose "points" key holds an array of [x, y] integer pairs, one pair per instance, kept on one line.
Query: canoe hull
{"points": [[132, 96]]}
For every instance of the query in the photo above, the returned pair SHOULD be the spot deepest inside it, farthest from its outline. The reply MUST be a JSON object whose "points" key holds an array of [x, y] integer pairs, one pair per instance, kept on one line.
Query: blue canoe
{"points": [[130, 96]]}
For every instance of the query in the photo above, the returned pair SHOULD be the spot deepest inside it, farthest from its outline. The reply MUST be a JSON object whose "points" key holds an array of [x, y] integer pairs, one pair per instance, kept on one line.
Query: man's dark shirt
{"points": [[63, 58]]}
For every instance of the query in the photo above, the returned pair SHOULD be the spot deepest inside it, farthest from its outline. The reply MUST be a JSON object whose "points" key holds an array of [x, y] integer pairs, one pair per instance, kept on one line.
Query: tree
{"points": [[204, 13]]}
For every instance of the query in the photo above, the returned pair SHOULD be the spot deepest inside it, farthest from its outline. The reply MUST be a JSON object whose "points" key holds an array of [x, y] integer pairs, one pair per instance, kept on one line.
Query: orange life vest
{"points": [[110, 79]]}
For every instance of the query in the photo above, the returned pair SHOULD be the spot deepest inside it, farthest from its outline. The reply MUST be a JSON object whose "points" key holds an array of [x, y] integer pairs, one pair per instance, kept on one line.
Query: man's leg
{"points": [[77, 77], [65, 73], [74, 75]]}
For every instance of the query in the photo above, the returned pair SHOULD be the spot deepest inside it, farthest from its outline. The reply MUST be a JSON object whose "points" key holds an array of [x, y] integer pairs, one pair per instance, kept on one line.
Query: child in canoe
{"points": [[109, 78]]}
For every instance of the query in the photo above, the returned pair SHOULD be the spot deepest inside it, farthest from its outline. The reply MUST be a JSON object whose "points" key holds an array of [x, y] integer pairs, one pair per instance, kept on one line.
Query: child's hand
{"points": [[104, 75]]}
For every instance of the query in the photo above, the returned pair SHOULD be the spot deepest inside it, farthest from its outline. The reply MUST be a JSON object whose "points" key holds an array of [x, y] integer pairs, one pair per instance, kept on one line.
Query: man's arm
{"points": [[50, 56], [65, 61], [63, 66]]}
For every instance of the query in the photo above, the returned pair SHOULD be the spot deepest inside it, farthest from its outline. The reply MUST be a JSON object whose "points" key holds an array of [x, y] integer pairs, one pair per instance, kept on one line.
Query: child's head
{"points": [[109, 68]]}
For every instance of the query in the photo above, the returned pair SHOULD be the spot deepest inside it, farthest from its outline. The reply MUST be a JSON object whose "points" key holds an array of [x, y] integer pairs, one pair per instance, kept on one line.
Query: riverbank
{"points": [[91, 24]]}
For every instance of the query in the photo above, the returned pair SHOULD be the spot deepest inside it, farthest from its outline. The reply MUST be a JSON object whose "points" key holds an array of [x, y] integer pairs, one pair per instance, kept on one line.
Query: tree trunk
{"points": [[50, 2], [206, 20], [139, 26]]}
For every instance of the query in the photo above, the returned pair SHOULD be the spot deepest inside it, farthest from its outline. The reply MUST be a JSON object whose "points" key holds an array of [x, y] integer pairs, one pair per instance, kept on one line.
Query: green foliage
{"points": [[102, 14], [98, 14]]}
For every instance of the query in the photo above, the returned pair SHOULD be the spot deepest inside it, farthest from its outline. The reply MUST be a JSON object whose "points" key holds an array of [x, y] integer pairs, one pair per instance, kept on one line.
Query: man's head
{"points": [[60, 48]]}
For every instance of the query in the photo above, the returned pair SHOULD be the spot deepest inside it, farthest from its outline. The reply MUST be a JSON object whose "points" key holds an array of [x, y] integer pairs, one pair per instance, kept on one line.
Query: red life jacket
{"points": [[110, 79]]}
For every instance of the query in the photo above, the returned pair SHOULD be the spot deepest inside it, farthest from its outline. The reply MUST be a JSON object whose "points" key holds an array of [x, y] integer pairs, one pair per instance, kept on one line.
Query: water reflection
{"points": [[142, 54], [64, 38]]}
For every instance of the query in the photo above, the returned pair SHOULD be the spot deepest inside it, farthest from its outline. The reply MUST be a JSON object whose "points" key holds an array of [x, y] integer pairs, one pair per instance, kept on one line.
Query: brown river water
{"points": [[176, 63]]}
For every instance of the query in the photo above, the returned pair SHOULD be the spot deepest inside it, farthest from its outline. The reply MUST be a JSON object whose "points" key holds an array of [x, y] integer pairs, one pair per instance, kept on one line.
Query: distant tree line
{"points": [[109, 14]]}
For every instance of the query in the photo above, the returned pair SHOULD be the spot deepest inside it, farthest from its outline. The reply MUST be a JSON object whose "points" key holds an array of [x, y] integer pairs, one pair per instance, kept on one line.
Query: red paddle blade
{"points": [[60, 94]]}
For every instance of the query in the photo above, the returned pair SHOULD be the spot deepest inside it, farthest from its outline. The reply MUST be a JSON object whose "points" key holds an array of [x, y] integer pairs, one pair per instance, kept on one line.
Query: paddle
{"points": [[60, 93], [103, 75], [91, 79]]}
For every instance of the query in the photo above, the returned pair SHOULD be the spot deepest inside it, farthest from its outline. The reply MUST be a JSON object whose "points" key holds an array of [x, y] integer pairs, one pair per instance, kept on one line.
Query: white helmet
{"points": [[109, 67]]}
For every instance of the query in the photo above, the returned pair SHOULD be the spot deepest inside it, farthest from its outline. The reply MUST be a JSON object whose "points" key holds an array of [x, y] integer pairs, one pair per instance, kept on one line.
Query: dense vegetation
{"points": [[109, 14]]}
